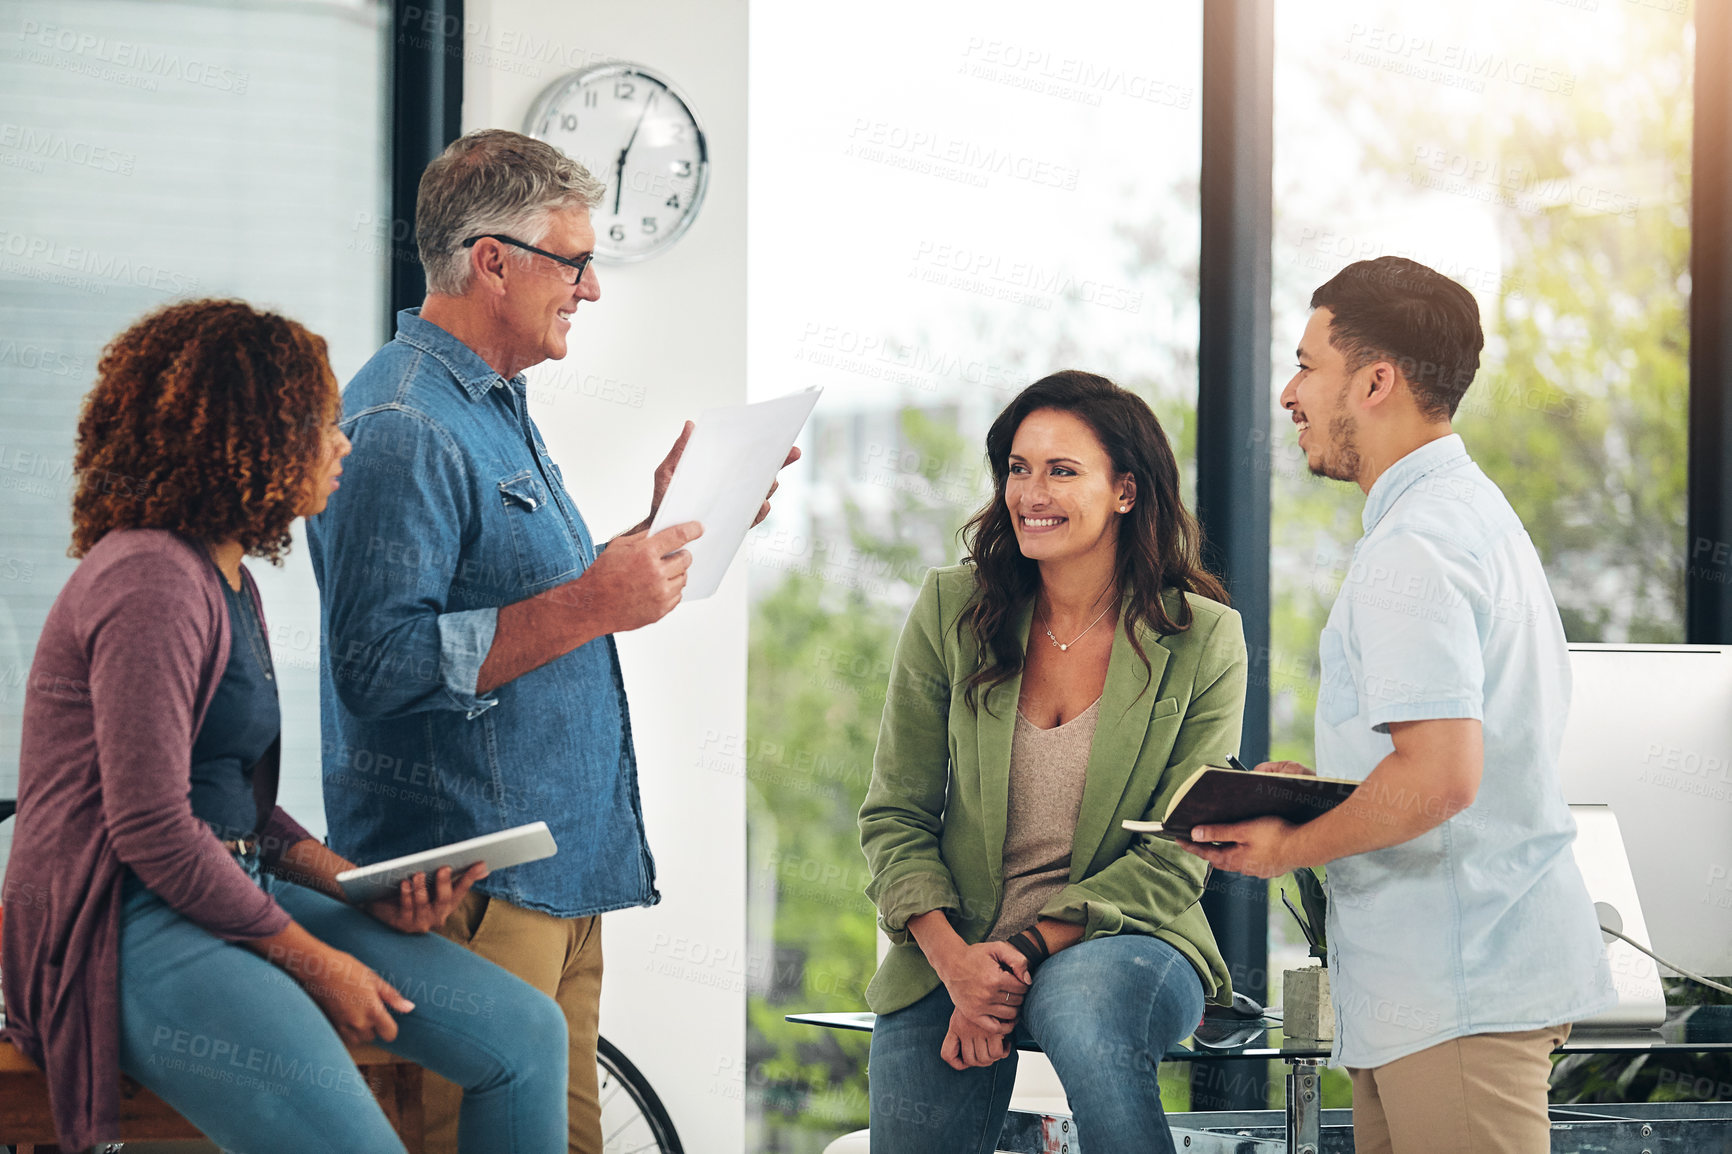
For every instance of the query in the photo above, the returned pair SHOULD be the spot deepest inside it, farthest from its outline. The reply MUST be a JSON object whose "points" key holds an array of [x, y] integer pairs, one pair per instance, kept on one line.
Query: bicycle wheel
{"points": [[633, 1119]]}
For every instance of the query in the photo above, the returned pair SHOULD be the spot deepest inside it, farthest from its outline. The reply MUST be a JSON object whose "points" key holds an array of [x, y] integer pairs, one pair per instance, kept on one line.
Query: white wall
{"points": [[671, 330]]}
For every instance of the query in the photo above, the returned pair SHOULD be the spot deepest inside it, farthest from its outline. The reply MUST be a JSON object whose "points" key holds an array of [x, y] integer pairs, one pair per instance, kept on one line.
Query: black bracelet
{"points": [[1028, 950], [1045, 950]]}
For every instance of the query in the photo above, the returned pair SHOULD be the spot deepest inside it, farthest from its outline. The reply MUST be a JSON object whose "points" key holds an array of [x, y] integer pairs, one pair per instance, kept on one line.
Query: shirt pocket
{"points": [[1337, 697], [545, 550]]}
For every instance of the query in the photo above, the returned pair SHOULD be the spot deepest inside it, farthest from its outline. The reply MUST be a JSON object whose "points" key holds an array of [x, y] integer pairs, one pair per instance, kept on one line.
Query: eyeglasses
{"points": [[575, 263]]}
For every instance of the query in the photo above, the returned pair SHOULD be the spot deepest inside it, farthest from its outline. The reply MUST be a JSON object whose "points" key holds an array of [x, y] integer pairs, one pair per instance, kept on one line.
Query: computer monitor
{"points": [[1650, 735], [1605, 866]]}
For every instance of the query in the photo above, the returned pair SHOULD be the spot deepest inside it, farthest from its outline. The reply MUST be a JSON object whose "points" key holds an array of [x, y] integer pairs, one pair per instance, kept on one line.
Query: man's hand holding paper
{"points": [[723, 472], [641, 575]]}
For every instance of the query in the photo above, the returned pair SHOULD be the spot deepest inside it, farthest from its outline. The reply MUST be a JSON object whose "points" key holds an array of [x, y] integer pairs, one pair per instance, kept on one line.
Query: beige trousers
{"points": [[561, 957], [1482, 1094]]}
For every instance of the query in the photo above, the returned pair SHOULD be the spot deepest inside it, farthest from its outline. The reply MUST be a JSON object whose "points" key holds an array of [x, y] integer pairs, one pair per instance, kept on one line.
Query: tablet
{"points": [[508, 847]]}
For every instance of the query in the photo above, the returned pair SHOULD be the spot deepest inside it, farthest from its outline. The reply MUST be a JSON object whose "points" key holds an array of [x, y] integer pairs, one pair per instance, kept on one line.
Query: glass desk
{"points": [[1638, 1128]]}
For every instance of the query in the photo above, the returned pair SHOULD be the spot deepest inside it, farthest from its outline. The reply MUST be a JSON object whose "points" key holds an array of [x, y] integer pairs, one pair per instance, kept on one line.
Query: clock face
{"points": [[635, 132]]}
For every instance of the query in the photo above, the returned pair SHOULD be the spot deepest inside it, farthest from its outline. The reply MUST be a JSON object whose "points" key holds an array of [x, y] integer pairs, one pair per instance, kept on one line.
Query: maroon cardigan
{"points": [[127, 664]]}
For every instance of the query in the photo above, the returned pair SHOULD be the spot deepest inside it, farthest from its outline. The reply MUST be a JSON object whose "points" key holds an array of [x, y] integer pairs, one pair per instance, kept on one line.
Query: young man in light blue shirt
{"points": [[1462, 942]]}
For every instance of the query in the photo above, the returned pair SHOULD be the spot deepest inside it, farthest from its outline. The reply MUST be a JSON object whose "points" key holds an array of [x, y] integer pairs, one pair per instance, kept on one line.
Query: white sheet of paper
{"points": [[728, 466]]}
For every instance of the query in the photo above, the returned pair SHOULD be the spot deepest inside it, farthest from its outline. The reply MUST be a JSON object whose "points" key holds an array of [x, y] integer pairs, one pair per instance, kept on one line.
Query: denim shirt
{"points": [[450, 508], [1482, 924]]}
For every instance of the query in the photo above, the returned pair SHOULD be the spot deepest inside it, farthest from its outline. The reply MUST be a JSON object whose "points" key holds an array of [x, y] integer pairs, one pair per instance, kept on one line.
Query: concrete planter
{"points": [[1309, 1014]]}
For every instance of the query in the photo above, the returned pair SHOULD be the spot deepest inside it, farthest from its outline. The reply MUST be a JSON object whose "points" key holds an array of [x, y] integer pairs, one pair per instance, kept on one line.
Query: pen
{"points": [[1235, 763]]}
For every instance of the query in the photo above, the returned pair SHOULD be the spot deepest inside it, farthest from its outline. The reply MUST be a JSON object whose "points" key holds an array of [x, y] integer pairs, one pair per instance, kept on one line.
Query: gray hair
{"points": [[492, 181]]}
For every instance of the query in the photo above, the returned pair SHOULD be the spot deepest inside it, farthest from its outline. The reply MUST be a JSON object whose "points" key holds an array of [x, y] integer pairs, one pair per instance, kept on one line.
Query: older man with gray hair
{"points": [[469, 680]]}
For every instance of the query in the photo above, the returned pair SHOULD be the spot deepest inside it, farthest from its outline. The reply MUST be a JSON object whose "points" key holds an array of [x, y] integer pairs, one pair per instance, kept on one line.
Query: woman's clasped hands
{"points": [[987, 982]]}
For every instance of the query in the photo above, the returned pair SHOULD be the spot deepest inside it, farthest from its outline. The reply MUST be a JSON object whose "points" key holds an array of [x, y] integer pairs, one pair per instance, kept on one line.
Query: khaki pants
{"points": [[561, 957], [1482, 1094]]}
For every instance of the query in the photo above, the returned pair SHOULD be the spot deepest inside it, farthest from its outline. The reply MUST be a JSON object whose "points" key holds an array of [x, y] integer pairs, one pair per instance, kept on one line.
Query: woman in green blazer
{"points": [[1072, 673]]}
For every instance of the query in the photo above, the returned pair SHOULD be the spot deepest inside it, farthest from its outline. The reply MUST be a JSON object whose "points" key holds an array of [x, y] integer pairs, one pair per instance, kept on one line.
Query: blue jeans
{"points": [[1104, 1011], [235, 1045]]}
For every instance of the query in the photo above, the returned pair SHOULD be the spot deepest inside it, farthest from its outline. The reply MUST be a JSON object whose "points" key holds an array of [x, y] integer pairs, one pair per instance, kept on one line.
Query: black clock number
{"points": [[623, 89], [568, 122], [649, 225], [617, 232], [590, 97], [682, 168], [674, 200]]}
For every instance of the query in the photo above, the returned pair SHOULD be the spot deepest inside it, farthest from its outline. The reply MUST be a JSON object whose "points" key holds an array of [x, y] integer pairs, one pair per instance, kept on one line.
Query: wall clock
{"points": [[637, 133]]}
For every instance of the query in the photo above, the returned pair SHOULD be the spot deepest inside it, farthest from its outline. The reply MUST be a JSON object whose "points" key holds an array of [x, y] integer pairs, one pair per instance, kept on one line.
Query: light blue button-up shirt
{"points": [[450, 507], [1482, 924]]}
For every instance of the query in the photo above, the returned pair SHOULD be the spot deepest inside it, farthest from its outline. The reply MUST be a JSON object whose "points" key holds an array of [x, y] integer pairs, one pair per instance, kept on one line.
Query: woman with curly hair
{"points": [[164, 917], [1072, 673]]}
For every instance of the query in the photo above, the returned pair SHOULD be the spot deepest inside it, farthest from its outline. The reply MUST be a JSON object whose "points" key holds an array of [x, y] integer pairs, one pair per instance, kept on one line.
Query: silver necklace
{"points": [[1064, 645]]}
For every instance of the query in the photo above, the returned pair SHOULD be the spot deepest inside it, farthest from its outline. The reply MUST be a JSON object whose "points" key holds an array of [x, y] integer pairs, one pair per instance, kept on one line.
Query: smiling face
{"points": [[1317, 397], [1061, 492], [539, 303]]}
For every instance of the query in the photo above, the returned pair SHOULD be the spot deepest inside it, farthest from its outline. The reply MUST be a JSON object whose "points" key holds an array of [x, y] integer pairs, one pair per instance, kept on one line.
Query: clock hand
{"points": [[619, 170]]}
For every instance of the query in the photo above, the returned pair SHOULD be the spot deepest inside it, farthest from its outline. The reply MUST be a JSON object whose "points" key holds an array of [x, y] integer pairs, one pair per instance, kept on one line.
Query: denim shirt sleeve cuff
{"points": [[464, 639]]}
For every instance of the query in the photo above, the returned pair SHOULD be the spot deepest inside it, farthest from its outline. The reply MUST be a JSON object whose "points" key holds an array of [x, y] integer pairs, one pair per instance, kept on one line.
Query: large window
{"points": [[1017, 193], [1538, 152], [153, 152], [938, 218]]}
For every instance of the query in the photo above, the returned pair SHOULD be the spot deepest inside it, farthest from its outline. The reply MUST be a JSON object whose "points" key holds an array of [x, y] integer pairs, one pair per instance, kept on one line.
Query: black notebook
{"points": [[1214, 796]]}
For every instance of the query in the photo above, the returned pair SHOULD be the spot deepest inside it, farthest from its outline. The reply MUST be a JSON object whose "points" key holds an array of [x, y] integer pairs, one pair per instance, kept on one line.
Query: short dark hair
{"points": [[1399, 310]]}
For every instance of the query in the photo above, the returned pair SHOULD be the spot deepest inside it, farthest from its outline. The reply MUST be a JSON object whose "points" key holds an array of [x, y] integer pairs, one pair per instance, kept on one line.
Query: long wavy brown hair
{"points": [[1159, 543], [207, 418]]}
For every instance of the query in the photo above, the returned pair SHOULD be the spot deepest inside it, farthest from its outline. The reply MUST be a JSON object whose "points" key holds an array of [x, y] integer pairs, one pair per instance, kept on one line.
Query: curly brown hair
{"points": [[207, 418]]}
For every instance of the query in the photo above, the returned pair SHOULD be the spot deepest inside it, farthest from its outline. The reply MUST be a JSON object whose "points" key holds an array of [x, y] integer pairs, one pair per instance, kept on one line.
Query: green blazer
{"points": [[933, 823]]}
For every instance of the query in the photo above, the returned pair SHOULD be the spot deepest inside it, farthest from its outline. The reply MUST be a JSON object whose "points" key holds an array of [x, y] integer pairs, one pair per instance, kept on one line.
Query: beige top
{"points": [[1047, 767]]}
